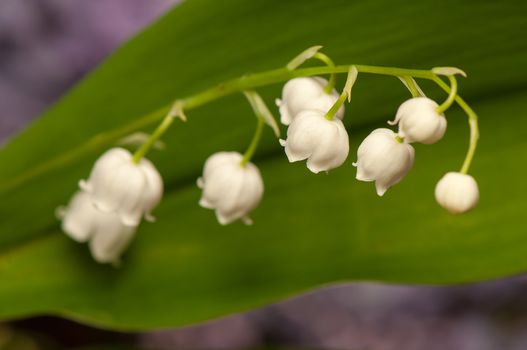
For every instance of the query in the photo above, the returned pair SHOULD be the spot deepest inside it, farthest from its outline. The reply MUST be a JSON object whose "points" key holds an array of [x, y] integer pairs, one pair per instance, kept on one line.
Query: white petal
{"points": [[333, 148], [106, 179], [128, 192], [110, 239], [224, 219], [303, 136], [78, 217], [381, 188], [153, 191]]}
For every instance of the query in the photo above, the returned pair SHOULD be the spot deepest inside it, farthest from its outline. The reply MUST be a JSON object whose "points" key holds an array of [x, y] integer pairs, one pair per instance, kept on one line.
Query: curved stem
{"points": [[254, 142], [451, 96], [333, 77], [473, 124], [108, 137], [145, 147]]}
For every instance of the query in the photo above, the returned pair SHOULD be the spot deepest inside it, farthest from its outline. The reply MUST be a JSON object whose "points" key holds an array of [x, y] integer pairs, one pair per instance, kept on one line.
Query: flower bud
{"points": [[230, 188], [108, 236], [118, 185], [306, 93], [419, 121], [324, 143], [457, 192], [383, 158]]}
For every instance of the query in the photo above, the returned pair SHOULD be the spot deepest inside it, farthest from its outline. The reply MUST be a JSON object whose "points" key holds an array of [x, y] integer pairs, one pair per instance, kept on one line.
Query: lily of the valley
{"points": [[229, 187], [457, 192], [107, 235], [307, 93], [384, 158], [323, 142], [419, 121], [111, 203], [118, 185]]}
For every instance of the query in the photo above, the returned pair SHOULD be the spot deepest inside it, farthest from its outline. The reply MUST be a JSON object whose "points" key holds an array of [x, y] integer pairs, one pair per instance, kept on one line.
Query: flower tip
{"points": [[381, 190], [313, 168], [247, 221], [150, 218], [205, 204], [130, 220], [60, 212], [85, 186], [222, 219]]}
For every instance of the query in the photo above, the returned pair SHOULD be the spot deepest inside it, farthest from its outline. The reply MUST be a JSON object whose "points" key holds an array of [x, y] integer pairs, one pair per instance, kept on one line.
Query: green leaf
{"points": [[310, 229]]}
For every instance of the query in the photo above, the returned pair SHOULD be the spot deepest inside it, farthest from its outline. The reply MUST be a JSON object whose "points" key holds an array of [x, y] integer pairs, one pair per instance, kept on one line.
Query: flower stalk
{"points": [[243, 83], [254, 143]]}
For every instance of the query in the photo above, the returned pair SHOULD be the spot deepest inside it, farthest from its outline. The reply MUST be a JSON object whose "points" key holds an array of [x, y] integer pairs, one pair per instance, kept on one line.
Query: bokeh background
{"points": [[46, 46]]}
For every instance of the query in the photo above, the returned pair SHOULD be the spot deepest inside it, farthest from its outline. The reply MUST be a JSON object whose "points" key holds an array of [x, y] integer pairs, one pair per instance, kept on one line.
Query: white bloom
{"points": [[324, 143], [457, 192], [383, 159], [307, 93], [118, 185], [229, 188], [107, 234], [419, 121]]}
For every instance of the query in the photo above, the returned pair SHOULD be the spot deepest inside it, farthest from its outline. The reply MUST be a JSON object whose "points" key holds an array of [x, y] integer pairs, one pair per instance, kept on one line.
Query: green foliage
{"points": [[310, 229]]}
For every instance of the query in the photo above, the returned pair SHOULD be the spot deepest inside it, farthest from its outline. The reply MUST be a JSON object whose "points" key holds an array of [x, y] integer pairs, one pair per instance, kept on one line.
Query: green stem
{"points": [[333, 76], [108, 137], [254, 142], [473, 124], [145, 147], [335, 108], [253, 81], [451, 96]]}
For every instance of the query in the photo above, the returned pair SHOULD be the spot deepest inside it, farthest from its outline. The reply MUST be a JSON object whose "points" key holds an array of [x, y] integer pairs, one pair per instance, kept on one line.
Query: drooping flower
{"points": [[118, 185], [457, 192], [324, 143], [384, 158], [306, 93], [230, 188], [419, 121], [108, 236]]}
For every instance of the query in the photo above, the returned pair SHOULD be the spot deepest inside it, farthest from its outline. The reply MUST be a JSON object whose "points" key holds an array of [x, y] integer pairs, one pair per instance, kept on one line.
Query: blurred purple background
{"points": [[47, 45]]}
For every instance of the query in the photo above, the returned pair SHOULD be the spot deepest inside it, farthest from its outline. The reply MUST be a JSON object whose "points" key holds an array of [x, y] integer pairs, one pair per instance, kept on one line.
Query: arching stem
{"points": [[254, 142], [451, 96], [472, 121], [145, 147]]}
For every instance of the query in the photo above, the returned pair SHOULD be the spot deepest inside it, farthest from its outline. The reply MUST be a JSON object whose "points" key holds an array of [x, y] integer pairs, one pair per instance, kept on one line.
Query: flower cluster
{"points": [[110, 205], [122, 188]]}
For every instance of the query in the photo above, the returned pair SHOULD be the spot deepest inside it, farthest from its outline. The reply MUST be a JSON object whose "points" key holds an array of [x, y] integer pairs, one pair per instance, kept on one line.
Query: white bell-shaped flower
{"points": [[301, 94], [107, 235], [324, 143], [457, 192], [419, 121], [118, 185], [383, 158], [230, 188]]}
